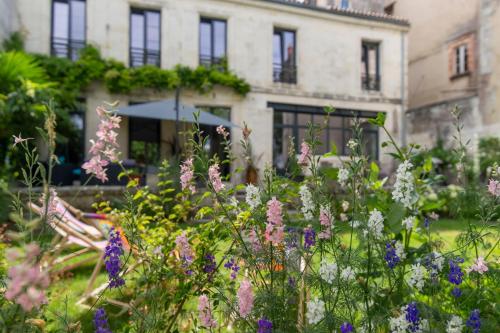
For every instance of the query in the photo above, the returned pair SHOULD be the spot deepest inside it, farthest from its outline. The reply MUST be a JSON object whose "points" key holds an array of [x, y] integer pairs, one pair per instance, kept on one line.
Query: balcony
{"points": [[141, 57], [370, 82], [208, 61], [285, 73], [66, 48]]}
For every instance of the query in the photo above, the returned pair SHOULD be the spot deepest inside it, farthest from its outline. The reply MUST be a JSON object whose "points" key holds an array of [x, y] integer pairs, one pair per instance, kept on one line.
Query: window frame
{"points": [[344, 114], [71, 44], [459, 58], [213, 61], [130, 138], [367, 82], [279, 67], [143, 11]]}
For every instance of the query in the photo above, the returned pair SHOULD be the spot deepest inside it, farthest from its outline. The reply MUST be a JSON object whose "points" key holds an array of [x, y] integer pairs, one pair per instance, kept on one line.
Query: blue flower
{"points": [[101, 322], [413, 317], [292, 238], [210, 265], [474, 322], [309, 238], [112, 261], [427, 222], [390, 255], [265, 326], [346, 328], [232, 265], [455, 275], [456, 292]]}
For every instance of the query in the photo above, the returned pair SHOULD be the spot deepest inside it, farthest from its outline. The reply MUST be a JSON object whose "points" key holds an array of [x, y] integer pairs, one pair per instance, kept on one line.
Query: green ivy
{"points": [[74, 76]]}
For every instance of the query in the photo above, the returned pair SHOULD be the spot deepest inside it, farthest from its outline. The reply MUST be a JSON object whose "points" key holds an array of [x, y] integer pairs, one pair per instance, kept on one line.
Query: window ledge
{"points": [[458, 76]]}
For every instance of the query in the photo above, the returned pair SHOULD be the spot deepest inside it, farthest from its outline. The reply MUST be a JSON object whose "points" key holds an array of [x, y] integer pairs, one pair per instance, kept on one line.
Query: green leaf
{"points": [[332, 152], [379, 120], [428, 164], [395, 217], [374, 171]]}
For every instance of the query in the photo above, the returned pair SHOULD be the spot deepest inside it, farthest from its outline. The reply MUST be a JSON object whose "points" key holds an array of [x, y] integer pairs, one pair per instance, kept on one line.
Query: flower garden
{"points": [[338, 250]]}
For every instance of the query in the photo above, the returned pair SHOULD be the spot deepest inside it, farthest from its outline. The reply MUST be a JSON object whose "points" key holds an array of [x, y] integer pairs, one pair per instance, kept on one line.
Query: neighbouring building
{"points": [[454, 60], [298, 57]]}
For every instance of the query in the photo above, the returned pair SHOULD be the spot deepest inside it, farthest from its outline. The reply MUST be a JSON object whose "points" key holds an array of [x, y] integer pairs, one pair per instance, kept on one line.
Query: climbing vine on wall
{"points": [[73, 76]]}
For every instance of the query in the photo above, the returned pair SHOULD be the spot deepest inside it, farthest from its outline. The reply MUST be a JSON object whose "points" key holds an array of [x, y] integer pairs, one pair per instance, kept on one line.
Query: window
{"points": [[291, 121], [213, 144], [144, 140], [145, 37], [461, 60], [68, 28], [344, 4], [212, 41], [370, 66], [284, 54]]}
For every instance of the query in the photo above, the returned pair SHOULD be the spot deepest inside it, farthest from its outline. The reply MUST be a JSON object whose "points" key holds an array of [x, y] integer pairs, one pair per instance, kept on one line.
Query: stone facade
{"points": [[328, 53], [435, 88]]}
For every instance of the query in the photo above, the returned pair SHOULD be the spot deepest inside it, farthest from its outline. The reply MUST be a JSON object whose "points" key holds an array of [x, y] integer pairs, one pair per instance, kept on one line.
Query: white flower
{"points": [[327, 271], [436, 263], [376, 223], [315, 311], [352, 144], [348, 273], [307, 202], [416, 279], [343, 217], [455, 325], [234, 202], [252, 196], [404, 187], [408, 222], [401, 325], [345, 205], [355, 224], [400, 250], [343, 176]]}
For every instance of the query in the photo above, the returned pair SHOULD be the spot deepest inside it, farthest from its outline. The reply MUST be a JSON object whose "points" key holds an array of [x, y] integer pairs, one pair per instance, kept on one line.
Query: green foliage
{"points": [[76, 76], [15, 42], [489, 153], [16, 67]]}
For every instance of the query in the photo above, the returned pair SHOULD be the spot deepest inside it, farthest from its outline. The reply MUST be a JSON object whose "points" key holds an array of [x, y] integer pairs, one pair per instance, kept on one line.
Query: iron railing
{"points": [[140, 57], [370, 82], [66, 48], [214, 62], [284, 73]]}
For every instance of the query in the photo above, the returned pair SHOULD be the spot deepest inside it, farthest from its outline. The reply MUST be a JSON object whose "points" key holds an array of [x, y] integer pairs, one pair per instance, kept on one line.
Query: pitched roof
{"points": [[373, 16]]}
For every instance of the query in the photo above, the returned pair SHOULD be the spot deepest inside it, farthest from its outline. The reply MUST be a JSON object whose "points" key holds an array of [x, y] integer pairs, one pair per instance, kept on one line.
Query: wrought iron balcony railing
{"points": [[370, 82], [141, 57], [284, 73], [66, 48], [217, 62]]}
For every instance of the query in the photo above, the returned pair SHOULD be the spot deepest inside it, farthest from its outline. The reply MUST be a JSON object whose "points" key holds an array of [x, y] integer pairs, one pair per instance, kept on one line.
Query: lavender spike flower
{"points": [[413, 317], [309, 238], [112, 261], [232, 265], [101, 322], [455, 275], [265, 326], [391, 257], [346, 328], [474, 321]]}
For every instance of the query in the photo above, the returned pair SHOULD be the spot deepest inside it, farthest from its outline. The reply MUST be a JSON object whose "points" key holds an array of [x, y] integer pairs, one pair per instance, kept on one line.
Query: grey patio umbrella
{"points": [[165, 110]]}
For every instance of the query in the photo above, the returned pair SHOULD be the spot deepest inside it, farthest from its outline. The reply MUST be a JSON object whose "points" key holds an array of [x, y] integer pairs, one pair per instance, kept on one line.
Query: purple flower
{"points": [[265, 326], [291, 282], [455, 275], [413, 317], [474, 322], [112, 261], [427, 223], [309, 238], [101, 322], [390, 255], [292, 238], [210, 264], [346, 328], [232, 265]]}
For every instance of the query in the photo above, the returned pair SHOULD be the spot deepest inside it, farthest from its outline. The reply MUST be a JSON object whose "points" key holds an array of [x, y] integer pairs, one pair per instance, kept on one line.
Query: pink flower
{"points": [[187, 175], [254, 240], [221, 130], [205, 313], [479, 266], [245, 298], [305, 153], [103, 151], [27, 281], [215, 179], [185, 251], [274, 227], [494, 187], [325, 220]]}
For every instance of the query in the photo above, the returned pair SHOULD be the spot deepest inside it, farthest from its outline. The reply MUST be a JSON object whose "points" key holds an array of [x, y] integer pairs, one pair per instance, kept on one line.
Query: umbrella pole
{"points": [[177, 97]]}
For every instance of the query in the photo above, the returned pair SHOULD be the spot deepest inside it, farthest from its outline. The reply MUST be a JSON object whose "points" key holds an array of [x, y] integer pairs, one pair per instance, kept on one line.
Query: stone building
{"points": [[454, 60], [298, 57]]}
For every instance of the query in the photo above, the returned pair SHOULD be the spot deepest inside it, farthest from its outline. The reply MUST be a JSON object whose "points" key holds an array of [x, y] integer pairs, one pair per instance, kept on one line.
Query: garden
{"points": [[316, 249]]}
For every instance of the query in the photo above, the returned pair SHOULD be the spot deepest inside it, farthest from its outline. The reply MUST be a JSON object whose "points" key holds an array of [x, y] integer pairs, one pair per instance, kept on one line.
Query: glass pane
{"points": [[370, 144], [289, 38], [61, 20], [278, 118], [335, 121], [219, 39], [323, 145], [304, 119], [137, 31], [277, 49], [372, 60], [288, 118], [205, 39], [319, 119], [78, 20], [153, 31]]}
